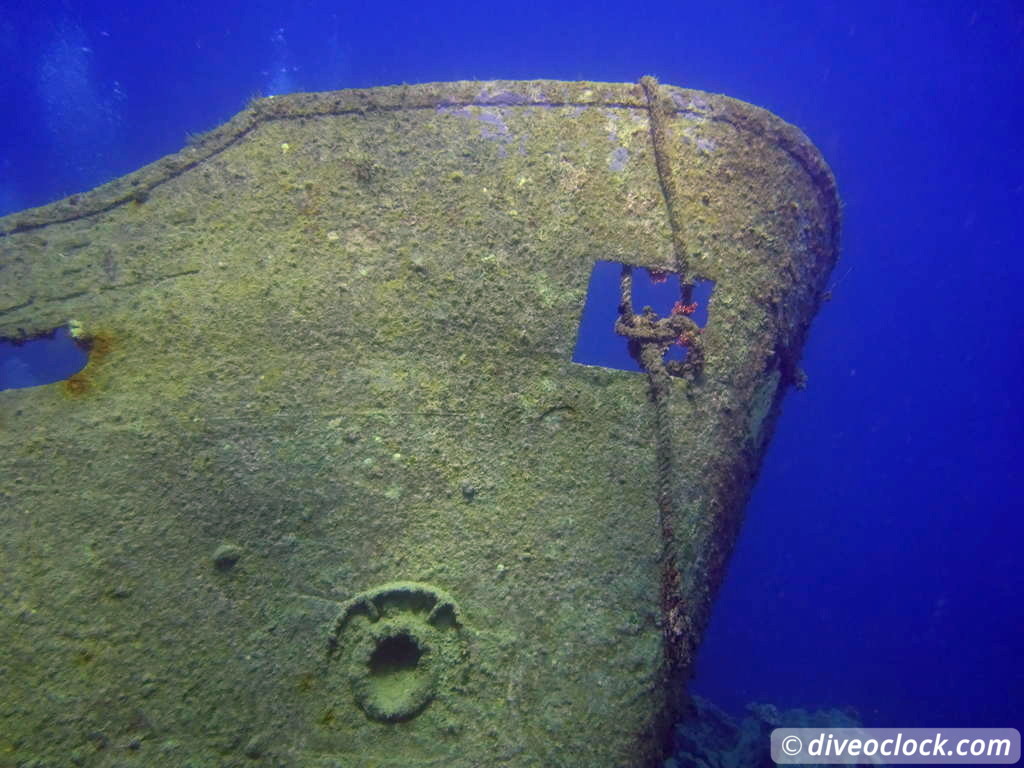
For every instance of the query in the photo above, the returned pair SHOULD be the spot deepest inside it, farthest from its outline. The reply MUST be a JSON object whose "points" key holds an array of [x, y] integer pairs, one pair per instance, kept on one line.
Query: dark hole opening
{"points": [[394, 655]]}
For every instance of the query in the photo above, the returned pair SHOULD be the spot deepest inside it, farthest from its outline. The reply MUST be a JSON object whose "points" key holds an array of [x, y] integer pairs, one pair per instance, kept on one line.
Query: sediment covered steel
{"points": [[331, 489]]}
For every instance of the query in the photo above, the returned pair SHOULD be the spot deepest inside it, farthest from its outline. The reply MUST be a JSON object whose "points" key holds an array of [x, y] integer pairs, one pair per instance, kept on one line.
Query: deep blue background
{"points": [[880, 563]]}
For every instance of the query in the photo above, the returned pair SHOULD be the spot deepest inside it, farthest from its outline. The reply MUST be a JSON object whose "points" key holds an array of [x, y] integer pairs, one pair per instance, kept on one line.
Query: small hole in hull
{"points": [[395, 655], [596, 341], [43, 359]]}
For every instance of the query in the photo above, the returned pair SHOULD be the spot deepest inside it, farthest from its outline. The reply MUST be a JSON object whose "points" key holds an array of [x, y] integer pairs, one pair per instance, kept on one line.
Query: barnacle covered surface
{"points": [[333, 337]]}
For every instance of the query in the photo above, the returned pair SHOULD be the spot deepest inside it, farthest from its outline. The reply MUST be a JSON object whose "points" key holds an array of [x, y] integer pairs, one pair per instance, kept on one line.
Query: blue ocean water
{"points": [[879, 567]]}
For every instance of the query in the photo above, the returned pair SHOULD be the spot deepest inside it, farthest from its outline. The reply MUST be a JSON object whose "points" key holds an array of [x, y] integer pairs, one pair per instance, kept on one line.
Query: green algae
{"points": [[341, 329]]}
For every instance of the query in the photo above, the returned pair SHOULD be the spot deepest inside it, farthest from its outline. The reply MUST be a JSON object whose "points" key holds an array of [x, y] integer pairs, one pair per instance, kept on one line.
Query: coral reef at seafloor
{"points": [[711, 738]]}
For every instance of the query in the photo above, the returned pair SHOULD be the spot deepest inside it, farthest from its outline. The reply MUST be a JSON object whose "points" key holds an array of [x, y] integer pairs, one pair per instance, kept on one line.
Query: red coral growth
{"points": [[658, 275]]}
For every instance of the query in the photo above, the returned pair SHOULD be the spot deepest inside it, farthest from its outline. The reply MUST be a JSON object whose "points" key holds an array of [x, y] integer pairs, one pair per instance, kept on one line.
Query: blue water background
{"points": [[880, 564]]}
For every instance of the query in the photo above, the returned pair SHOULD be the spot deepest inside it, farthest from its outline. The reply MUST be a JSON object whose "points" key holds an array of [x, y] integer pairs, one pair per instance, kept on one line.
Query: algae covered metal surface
{"points": [[330, 490]]}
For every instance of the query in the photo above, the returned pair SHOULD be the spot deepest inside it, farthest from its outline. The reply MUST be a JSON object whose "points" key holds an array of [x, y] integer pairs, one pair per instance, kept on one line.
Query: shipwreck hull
{"points": [[331, 491]]}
